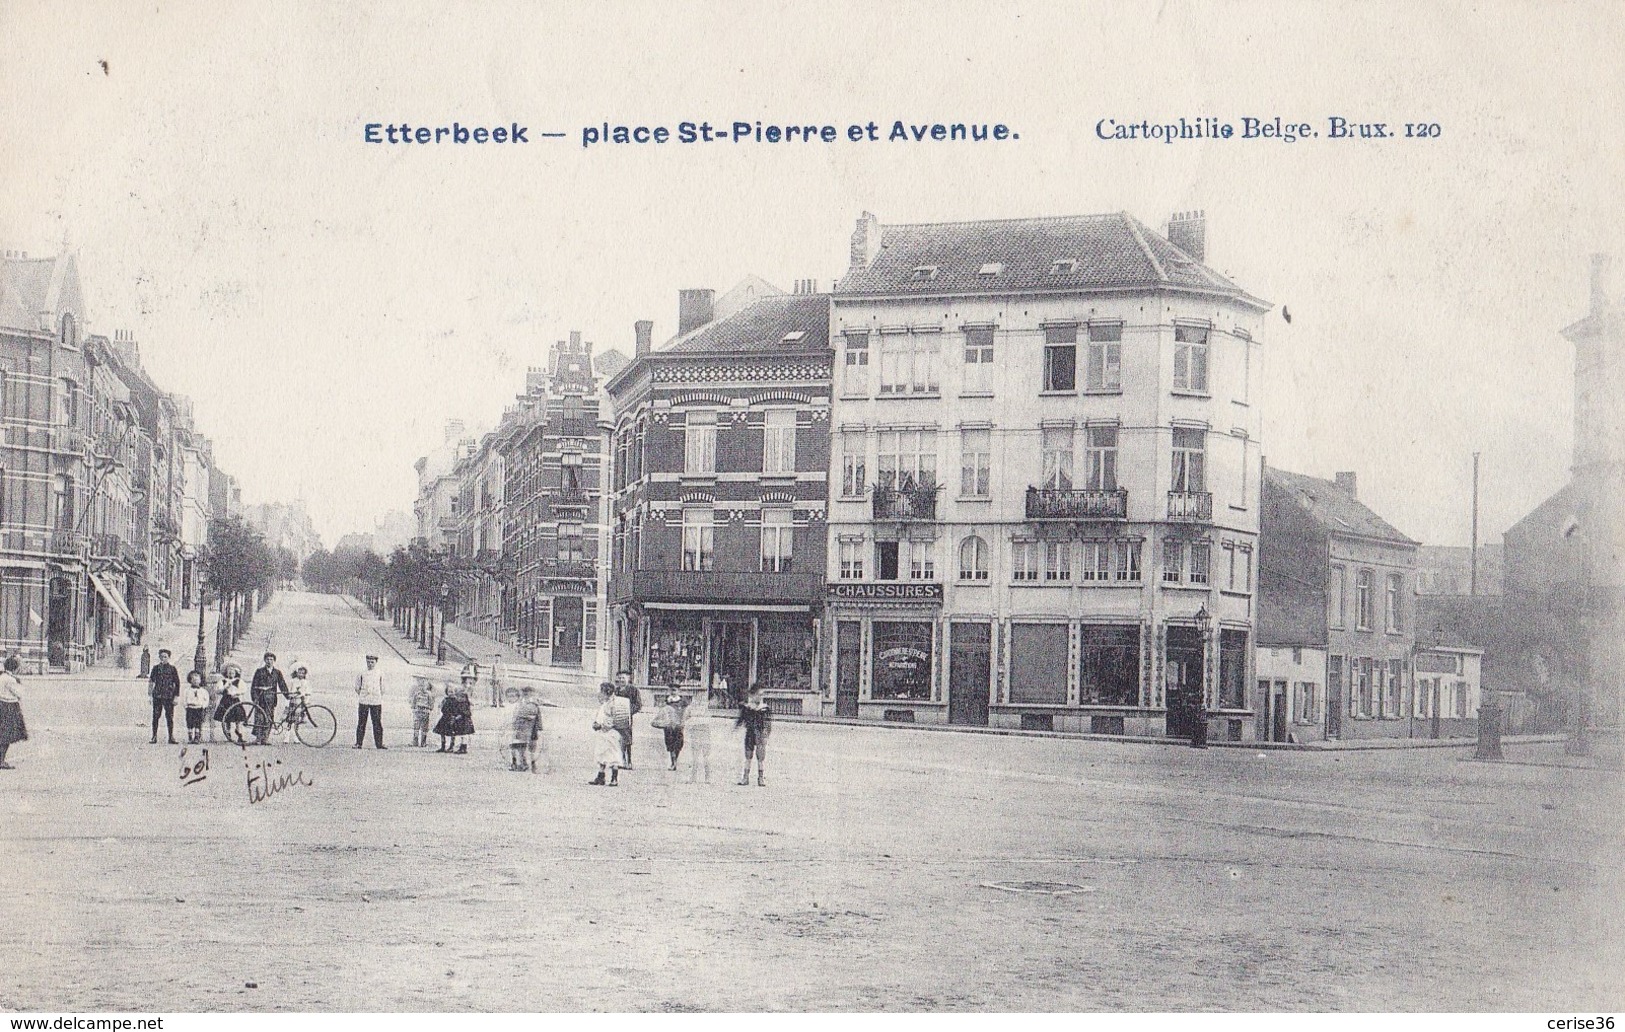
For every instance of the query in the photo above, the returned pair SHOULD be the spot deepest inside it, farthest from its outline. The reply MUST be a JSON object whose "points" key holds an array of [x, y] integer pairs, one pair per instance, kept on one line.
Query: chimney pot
{"points": [[1600, 264], [1347, 483], [643, 331], [695, 308]]}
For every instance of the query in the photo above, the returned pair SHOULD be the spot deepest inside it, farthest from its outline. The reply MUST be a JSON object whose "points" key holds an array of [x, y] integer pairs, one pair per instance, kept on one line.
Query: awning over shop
{"points": [[112, 598]]}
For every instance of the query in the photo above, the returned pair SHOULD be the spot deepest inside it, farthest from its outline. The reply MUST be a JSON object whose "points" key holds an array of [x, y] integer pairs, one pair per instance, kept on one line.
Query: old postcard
{"points": [[1150, 477]]}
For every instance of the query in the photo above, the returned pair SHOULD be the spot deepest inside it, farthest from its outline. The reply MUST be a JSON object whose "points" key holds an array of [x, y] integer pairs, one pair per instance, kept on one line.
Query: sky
{"points": [[329, 304]]}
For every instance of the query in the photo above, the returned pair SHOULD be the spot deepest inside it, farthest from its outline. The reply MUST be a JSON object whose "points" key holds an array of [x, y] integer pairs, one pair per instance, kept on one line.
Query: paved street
{"points": [[862, 877]]}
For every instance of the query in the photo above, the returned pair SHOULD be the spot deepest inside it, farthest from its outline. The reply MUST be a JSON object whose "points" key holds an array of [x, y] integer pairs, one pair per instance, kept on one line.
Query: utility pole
{"points": [[1472, 581]]}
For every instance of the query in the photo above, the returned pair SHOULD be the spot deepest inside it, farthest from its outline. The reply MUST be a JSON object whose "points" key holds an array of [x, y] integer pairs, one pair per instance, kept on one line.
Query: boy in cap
{"points": [[163, 685], [268, 683], [422, 700], [670, 721], [369, 698]]}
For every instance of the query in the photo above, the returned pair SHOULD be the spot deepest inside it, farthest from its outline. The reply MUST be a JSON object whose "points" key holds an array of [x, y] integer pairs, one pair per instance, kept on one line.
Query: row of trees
{"points": [[242, 572]]}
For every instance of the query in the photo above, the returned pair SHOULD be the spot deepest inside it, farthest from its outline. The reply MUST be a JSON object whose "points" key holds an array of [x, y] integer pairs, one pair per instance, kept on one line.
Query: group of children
{"points": [[198, 701], [683, 723], [456, 721]]}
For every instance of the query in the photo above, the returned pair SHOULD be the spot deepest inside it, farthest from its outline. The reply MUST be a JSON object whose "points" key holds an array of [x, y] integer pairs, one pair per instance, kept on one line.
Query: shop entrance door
{"points": [[1274, 694], [969, 670], [1184, 681], [848, 667], [731, 647], [567, 619], [59, 622]]}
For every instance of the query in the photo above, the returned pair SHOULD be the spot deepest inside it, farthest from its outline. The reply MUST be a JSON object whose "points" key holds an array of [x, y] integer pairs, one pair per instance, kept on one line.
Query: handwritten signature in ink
{"points": [[195, 771], [264, 781]]}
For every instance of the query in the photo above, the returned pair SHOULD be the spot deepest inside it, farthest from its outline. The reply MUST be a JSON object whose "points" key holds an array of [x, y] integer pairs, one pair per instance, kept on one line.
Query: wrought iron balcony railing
{"points": [[905, 503], [1045, 503], [1191, 506]]}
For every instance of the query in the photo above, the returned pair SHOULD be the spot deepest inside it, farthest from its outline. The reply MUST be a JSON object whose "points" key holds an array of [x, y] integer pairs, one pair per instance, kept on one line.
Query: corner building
{"points": [[1044, 500]]}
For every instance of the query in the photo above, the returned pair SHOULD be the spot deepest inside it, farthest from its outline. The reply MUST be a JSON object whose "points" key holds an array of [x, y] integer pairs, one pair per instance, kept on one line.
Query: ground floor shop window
{"points": [[676, 650], [1110, 671], [784, 654], [1038, 662], [902, 660], [1232, 669]]}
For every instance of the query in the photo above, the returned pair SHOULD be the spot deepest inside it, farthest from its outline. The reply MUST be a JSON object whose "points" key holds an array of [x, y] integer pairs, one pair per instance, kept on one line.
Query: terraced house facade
{"points": [[1044, 493]]}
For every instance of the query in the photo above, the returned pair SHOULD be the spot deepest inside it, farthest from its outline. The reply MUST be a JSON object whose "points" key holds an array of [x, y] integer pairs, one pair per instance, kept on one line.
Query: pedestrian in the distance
{"points": [[164, 687], [196, 701], [499, 682], [369, 698], [757, 720], [12, 728], [697, 736], [268, 683], [527, 730], [606, 740], [669, 719], [625, 689], [422, 700]]}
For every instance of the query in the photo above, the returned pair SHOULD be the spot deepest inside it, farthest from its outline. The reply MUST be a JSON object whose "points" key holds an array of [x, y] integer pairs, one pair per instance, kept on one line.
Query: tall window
{"points": [[779, 441], [978, 359], [973, 559], [1186, 562], [1058, 561], [1096, 559], [1394, 704], [570, 542], [1102, 458], [856, 376], [1363, 602], [1190, 460], [63, 502], [569, 475], [1200, 558], [1126, 560], [700, 441], [1367, 707], [1110, 661], [1105, 364], [908, 458], [1190, 359], [1391, 606], [1061, 358], [1337, 588], [922, 563], [1024, 561], [908, 363], [975, 463], [778, 530], [1056, 442], [68, 396], [698, 528], [850, 552], [854, 475]]}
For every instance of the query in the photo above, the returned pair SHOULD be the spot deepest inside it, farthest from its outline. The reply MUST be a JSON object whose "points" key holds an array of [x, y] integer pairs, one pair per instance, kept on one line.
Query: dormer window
{"points": [[990, 269], [923, 274], [1063, 267], [794, 337]]}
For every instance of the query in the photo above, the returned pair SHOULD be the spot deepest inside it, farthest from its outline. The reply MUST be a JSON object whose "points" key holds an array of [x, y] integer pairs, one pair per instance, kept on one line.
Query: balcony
{"points": [[106, 546], [1190, 506], [723, 587], [1054, 504], [905, 503], [569, 569], [66, 542], [68, 439]]}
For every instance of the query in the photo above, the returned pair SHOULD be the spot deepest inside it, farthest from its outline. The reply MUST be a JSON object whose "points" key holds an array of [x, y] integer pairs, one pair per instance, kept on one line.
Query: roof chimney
{"points": [[865, 241], [1187, 230], [643, 330], [1346, 484], [1599, 282], [695, 308]]}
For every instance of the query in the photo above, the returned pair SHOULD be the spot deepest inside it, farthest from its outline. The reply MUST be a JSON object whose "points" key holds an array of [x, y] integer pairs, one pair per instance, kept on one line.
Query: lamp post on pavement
{"points": [[1199, 724], [440, 648], [200, 658]]}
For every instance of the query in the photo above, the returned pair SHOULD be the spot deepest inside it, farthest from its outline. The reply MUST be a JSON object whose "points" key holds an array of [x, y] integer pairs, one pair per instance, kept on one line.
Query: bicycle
{"points": [[313, 724]]}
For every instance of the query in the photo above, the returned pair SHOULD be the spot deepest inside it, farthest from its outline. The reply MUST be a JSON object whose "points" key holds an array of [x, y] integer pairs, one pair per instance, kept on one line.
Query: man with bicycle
{"points": [[268, 683]]}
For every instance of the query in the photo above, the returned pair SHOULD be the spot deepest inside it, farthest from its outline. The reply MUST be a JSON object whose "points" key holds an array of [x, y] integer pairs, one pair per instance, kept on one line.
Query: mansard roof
{"points": [[1112, 251]]}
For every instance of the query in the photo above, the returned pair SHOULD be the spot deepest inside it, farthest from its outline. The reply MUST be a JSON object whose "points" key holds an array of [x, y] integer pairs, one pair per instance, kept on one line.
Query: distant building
{"points": [[285, 525], [1448, 570], [1337, 580]]}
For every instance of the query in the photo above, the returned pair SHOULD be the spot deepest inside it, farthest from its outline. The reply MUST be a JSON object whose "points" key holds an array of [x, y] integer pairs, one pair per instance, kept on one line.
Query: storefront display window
{"points": [[1038, 654], [784, 654], [1233, 669], [1110, 674], [676, 650], [902, 660]]}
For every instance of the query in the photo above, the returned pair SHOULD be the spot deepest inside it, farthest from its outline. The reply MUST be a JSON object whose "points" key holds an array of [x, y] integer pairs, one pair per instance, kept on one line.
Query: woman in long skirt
{"points": [[12, 728]]}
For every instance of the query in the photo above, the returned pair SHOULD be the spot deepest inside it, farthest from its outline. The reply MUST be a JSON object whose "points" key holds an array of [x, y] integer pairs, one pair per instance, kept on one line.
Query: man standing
{"points": [[634, 702], [164, 685], [268, 683], [369, 697], [499, 675]]}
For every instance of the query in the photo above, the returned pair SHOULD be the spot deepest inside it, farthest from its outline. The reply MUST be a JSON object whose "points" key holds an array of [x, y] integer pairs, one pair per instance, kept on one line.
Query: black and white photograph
{"points": [[879, 508]]}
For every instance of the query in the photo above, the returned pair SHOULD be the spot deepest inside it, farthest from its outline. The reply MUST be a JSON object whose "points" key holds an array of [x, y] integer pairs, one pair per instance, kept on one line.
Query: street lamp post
{"points": [[440, 648], [200, 658], [1199, 724]]}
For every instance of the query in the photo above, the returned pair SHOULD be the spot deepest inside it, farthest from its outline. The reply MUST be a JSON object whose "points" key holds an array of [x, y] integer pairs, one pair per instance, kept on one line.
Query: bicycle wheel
{"points": [[237, 723], [316, 726]]}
